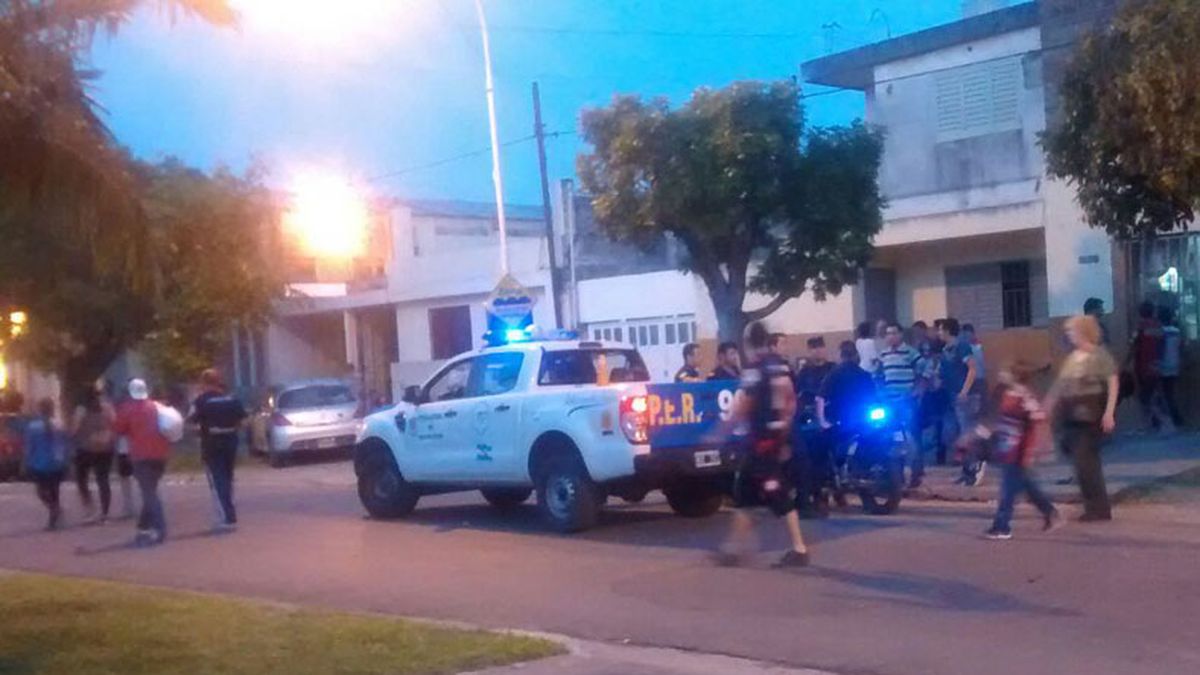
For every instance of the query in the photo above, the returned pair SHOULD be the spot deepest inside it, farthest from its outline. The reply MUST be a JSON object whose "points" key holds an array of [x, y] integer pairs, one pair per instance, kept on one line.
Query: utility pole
{"points": [[539, 131]]}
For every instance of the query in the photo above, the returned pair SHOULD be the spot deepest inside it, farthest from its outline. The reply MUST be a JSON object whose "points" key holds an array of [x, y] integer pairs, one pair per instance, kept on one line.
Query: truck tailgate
{"points": [[689, 414]]}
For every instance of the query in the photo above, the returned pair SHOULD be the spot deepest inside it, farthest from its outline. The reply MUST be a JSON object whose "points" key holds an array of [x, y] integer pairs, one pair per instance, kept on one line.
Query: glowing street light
{"points": [[328, 216]]}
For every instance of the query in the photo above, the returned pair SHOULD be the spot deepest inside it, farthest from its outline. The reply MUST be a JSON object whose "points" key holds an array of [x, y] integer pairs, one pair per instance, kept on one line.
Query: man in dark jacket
{"points": [[219, 417]]}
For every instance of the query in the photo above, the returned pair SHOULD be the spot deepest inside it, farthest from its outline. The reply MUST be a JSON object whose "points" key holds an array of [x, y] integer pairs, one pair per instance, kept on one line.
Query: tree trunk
{"points": [[731, 322]]}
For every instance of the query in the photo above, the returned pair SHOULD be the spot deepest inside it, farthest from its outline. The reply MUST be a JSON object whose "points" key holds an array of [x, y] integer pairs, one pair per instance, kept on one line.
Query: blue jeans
{"points": [[905, 409], [148, 473], [1018, 479]]}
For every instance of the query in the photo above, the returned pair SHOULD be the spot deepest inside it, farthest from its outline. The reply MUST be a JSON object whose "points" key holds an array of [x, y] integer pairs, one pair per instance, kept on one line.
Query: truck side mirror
{"points": [[412, 394]]}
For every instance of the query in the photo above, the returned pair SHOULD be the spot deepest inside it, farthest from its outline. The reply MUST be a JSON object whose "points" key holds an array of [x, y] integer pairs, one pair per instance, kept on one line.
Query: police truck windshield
{"points": [[592, 366]]}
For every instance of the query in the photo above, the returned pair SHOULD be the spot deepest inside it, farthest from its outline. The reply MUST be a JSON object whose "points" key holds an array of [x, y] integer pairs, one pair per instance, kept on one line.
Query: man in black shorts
{"points": [[764, 408]]}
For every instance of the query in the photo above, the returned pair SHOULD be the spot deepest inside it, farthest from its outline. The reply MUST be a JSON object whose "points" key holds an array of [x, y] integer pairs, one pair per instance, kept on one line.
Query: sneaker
{"points": [[977, 477], [1051, 521], [793, 558], [997, 534]]}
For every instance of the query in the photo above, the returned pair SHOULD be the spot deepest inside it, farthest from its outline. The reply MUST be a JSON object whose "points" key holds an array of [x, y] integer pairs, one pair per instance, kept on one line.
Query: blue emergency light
{"points": [[877, 414]]}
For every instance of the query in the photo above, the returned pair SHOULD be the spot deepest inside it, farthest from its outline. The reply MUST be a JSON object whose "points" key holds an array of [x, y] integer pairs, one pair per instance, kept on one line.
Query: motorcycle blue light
{"points": [[878, 414]]}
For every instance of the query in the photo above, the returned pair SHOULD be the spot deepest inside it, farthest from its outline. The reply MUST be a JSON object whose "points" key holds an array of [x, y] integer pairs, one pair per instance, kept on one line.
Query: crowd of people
{"points": [[134, 436], [934, 379]]}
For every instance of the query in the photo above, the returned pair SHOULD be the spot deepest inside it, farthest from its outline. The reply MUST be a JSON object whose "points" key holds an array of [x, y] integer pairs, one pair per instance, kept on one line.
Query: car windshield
{"points": [[592, 366], [315, 396]]}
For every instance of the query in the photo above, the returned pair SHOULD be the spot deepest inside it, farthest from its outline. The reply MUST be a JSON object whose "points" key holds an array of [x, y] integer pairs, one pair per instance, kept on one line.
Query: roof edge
{"points": [[853, 69]]}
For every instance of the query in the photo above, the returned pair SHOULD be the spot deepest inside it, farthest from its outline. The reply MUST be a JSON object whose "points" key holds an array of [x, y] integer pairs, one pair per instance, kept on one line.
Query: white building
{"points": [[974, 228], [426, 305]]}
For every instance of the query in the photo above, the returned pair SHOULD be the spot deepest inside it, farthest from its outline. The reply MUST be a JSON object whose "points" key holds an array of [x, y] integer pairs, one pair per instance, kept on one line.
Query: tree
{"points": [[1129, 137], [77, 246], [210, 253], [759, 203], [206, 268]]}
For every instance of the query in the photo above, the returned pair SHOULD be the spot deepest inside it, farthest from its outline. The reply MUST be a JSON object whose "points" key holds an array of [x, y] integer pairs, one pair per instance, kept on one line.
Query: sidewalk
{"points": [[1129, 460], [599, 658]]}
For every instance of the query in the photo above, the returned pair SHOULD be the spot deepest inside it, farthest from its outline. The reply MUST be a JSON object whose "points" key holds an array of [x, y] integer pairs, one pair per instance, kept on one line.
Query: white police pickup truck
{"points": [[571, 420]]}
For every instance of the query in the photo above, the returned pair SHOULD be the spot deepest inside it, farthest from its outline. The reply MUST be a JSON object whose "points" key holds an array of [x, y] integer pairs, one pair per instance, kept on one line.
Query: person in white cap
{"points": [[137, 421]]}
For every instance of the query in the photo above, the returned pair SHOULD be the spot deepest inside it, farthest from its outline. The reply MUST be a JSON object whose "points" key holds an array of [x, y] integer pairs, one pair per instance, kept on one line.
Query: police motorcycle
{"points": [[863, 456]]}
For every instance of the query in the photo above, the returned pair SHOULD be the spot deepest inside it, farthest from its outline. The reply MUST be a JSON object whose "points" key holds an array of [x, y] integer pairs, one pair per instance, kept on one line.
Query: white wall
{"points": [[299, 349], [637, 296], [1068, 239], [800, 315]]}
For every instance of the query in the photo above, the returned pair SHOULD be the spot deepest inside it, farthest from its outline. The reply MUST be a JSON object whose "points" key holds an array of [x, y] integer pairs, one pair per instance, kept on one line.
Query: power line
{"points": [[554, 30], [460, 157]]}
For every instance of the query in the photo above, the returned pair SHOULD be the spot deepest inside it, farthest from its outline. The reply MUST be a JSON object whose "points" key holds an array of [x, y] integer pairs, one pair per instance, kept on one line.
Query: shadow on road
{"points": [[935, 593]]}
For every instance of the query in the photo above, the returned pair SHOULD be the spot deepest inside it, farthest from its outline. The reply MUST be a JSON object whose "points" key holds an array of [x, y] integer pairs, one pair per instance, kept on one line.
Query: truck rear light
{"points": [[635, 418], [277, 419]]}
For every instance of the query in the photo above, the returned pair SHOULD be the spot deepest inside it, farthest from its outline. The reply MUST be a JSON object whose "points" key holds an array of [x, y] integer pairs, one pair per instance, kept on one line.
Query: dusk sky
{"points": [[390, 86]]}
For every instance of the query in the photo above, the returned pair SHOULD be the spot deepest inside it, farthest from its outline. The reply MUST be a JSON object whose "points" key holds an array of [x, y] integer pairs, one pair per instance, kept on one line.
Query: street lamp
{"points": [[497, 179]]}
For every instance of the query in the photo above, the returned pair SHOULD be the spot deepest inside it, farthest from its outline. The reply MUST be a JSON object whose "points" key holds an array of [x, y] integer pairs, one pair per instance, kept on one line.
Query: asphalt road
{"points": [[917, 593]]}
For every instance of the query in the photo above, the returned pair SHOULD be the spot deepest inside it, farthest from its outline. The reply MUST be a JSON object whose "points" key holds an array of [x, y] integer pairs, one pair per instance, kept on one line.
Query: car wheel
{"points": [[382, 489], [567, 497], [692, 500], [506, 499], [277, 460]]}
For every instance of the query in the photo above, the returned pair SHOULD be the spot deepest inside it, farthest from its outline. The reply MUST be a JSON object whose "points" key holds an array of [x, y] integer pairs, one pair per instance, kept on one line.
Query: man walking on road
{"points": [[764, 406], [137, 421], [220, 417]]}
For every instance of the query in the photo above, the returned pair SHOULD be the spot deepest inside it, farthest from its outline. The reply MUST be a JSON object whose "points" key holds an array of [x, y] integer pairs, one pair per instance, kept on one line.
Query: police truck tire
{"points": [[506, 499], [694, 501], [567, 497], [885, 499], [382, 489], [277, 460]]}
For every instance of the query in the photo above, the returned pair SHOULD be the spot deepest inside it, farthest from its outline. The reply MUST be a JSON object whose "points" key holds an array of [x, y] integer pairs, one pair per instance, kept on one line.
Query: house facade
{"points": [[974, 228], [391, 324]]}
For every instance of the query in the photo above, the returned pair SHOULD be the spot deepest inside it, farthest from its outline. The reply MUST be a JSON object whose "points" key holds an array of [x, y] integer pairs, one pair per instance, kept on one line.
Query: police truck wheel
{"points": [[694, 501], [277, 460], [506, 499], [884, 499], [382, 489], [567, 497]]}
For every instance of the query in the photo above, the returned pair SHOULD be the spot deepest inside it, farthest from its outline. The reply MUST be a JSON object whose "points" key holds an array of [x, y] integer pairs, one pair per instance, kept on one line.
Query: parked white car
{"points": [[305, 417], [567, 419]]}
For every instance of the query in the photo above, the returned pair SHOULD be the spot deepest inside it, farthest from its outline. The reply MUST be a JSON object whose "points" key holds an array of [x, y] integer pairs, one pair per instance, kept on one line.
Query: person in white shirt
{"points": [[864, 342]]}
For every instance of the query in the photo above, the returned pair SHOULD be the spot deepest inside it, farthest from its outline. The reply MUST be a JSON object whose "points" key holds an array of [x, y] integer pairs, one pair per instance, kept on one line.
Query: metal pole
{"points": [[539, 131], [497, 181]]}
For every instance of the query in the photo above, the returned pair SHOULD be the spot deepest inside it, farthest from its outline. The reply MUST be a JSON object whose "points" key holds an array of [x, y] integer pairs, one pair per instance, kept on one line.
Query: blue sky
{"points": [[406, 90]]}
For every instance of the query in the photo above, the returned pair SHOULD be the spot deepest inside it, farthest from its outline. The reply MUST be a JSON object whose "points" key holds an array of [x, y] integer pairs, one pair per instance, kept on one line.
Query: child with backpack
{"points": [[1010, 440], [46, 458]]}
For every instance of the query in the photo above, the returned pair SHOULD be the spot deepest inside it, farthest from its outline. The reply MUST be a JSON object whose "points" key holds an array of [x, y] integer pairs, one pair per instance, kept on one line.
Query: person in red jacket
{"points": [[1012, 436], [137, 421]]}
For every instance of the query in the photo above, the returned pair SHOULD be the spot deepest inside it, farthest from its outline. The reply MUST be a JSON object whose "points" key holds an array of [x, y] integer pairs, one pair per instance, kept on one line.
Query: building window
{"points": [[979, 99], [617, 334], [1017, 294], [669, 336], [653, 334], [449, 331], [684, 335]]}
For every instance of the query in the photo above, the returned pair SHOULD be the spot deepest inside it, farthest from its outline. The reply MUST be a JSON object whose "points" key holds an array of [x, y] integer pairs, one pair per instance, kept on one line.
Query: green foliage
{"points": [[734, 177], [78, 249], [208, 242], [1129, 139]]}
